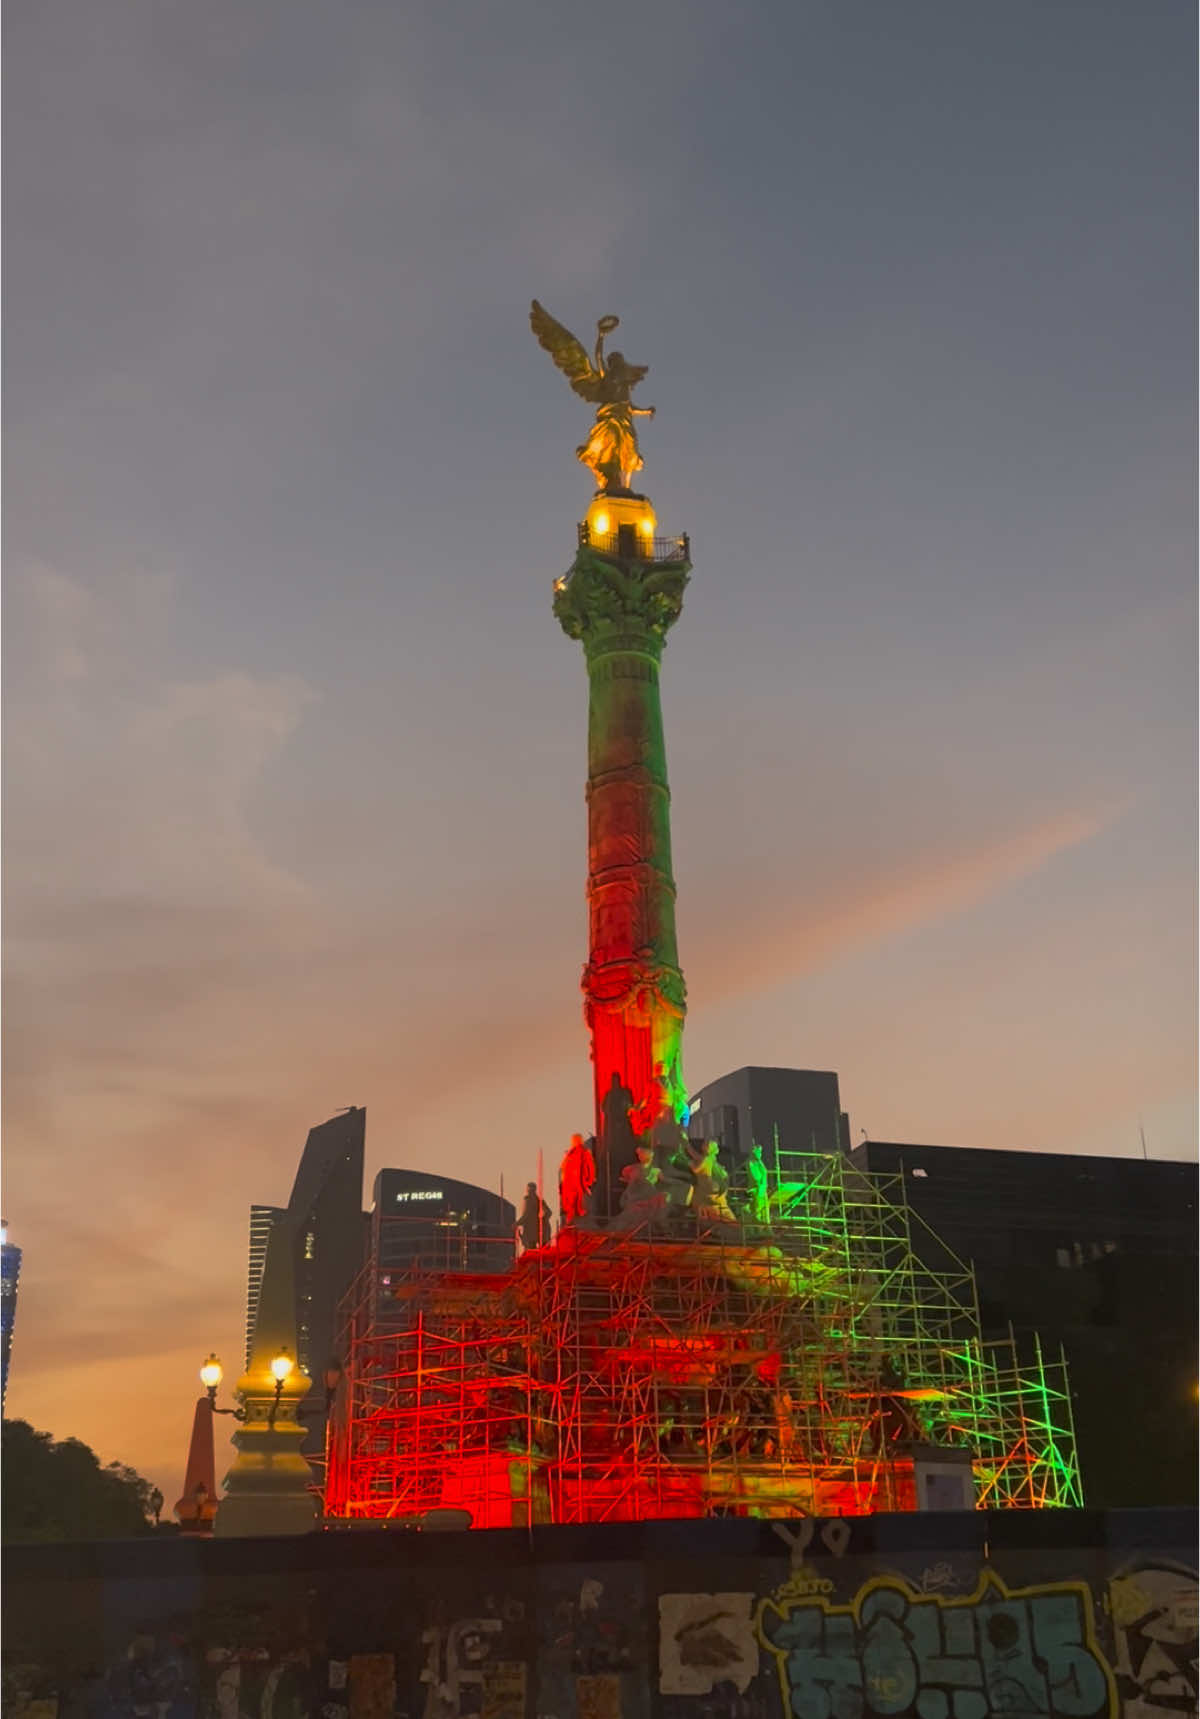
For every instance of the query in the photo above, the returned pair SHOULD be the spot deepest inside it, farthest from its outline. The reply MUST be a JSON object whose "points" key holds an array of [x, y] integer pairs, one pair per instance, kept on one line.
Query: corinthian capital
{"points": [[603, 598]]}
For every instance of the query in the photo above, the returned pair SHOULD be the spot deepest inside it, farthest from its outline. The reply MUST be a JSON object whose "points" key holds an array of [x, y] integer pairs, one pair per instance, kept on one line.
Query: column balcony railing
{"points": [[630, 545]]}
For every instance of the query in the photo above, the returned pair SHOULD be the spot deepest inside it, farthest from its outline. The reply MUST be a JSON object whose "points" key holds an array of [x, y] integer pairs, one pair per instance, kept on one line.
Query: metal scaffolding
{"points": [[805, 1365]]}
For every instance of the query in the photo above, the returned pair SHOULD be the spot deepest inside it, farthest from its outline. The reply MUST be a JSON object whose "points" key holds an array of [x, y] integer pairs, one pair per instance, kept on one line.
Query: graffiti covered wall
{"points": [[1052, 1616]]}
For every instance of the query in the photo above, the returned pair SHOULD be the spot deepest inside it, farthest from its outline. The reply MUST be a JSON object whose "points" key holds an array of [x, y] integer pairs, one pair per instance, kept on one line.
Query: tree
{"points": [[58, 1490]]}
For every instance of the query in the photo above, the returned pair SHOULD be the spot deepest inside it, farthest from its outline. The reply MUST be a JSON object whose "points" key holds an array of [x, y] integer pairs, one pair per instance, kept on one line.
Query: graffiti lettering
{"points": [[804, 1584], [894, 1651], [834, 1535], [250, 1683]]}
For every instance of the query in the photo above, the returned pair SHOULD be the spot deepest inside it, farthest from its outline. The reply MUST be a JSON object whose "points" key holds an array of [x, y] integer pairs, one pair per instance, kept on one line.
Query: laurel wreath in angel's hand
{"points": [[601, 380]]}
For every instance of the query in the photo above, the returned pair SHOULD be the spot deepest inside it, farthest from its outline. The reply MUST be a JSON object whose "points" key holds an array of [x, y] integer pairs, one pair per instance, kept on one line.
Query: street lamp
{"points": [[281, 1370], [282, 1367]]}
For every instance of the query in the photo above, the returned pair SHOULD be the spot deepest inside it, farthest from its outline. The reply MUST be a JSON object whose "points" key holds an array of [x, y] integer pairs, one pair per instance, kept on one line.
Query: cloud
{"points": [[124, 785], [784, 931], [137, 889]]}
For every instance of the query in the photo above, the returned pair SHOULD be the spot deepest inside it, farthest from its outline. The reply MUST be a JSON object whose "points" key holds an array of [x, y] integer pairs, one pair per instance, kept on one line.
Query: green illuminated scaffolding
{"points": [[826, 1361], [897, 1305]]}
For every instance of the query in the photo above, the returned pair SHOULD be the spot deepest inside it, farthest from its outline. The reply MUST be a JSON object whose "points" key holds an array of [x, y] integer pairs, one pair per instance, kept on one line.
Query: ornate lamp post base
{"points": [[269, 1488]]}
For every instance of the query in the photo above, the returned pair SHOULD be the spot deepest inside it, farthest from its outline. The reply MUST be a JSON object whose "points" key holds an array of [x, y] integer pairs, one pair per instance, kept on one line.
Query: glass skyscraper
{"points": [[324, 1221], [10, 1271]]}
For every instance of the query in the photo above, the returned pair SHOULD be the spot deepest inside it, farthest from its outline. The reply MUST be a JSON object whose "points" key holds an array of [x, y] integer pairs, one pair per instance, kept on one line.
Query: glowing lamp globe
{"points": [[210, 1373], [281, 1367]]}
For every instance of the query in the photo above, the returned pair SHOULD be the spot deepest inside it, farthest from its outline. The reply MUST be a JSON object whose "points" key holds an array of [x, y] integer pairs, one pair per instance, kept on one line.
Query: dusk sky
{"points": [[295, 748]]}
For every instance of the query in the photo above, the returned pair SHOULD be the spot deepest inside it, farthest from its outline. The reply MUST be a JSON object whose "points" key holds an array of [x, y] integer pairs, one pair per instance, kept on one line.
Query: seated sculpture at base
{"points": [[674, 1167], [642, 1199], [711, 1180]]}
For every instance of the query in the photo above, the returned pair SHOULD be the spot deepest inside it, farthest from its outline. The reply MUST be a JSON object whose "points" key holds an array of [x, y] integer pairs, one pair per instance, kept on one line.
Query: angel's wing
{"points": [[567, 353]]}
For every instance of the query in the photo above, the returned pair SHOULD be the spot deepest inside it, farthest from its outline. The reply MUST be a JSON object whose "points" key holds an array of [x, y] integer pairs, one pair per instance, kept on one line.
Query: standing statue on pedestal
{"points": [[533, 1226], [756, 1184], [618, 1142], [656, 1117], [576, 1179], [611, 450]]}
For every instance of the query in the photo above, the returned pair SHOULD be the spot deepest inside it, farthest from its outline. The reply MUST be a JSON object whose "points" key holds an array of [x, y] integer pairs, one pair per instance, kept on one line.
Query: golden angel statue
{"points": [[611, 450]]}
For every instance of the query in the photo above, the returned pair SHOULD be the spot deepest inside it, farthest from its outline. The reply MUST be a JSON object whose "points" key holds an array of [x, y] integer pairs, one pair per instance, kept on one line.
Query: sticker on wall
{"points": [[704, 1640], [372, 1686], [1154, 1619], [503, 1690], [598, 1697]]}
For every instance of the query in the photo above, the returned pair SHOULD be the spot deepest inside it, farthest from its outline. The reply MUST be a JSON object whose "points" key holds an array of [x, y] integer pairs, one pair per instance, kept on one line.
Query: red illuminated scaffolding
{"points": [[798, 1367]]}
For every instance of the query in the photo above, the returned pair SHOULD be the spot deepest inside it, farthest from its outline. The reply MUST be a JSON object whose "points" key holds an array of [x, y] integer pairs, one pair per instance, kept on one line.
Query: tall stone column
{"points": [[620, 597]]}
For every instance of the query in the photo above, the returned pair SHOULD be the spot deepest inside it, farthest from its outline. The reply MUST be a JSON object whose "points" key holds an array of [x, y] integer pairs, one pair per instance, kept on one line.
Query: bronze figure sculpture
{"points": [[611, 450]]}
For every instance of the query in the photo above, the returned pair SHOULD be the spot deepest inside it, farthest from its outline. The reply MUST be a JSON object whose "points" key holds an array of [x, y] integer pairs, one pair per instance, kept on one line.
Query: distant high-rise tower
{"points": [[324, 1220], [10, 1271], [262, 1221], [789, 1109]]}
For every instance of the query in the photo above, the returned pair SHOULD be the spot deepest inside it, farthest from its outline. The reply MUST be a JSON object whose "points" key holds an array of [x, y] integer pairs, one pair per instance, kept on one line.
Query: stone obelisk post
{"points": [[198, 1506], [620, 597]]}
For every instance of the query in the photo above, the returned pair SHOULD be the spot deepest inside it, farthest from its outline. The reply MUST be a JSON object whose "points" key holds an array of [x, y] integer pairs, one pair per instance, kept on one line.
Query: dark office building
{"points": [[799, 1109], [424, 1221], [10, 1271], [324, 1219], [1098, 1254]]}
